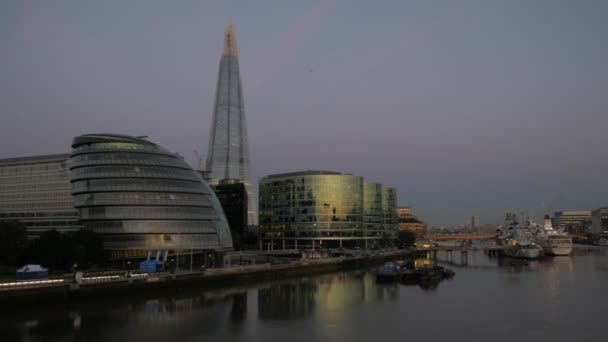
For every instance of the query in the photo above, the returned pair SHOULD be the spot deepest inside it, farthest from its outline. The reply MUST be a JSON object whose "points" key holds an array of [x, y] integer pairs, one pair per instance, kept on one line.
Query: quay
{"points": [[138, 283]]}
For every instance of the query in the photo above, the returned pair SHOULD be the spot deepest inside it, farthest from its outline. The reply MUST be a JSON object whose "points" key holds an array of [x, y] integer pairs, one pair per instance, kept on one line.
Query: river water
{"points": [[490, 299]]}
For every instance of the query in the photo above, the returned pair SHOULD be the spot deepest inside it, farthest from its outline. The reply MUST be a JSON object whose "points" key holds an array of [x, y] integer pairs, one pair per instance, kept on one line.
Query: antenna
{"points": [[198, 159]]}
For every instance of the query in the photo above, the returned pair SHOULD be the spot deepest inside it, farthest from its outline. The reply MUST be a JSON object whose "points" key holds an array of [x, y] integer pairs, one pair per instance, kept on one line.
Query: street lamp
{"points": [[74, 267]]}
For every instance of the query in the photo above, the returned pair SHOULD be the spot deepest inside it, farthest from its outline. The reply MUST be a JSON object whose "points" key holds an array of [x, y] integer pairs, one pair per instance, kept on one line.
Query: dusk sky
{"points": [[466, 107]]}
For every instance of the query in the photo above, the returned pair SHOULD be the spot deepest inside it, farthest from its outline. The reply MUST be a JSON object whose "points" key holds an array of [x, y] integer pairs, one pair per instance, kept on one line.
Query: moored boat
{"points": [[552, 241], [389, 271]]}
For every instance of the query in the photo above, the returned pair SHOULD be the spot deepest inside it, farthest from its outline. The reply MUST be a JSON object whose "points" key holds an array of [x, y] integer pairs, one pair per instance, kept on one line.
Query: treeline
{"points": [[52, 249]]}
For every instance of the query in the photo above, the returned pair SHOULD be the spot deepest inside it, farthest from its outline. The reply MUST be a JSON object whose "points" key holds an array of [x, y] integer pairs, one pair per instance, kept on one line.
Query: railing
{"points": [[459, 236], [25, 283]]}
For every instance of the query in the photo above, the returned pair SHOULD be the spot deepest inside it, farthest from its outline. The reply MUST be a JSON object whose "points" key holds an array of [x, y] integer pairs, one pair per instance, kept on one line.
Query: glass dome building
{"points": [[141, 197]]}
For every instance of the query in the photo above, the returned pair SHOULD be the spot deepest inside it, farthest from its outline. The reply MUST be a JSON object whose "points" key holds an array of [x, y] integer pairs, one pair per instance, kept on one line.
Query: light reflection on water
{"points": [[557, 298]]}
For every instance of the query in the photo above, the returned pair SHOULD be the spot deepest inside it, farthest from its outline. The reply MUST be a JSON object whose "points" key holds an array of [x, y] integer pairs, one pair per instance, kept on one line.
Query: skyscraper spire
{"points": [[228, 154], [230, 41]]}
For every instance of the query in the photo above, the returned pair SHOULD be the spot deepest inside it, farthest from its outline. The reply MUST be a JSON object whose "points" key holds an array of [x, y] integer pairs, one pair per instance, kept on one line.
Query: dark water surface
{"points": [[555, 299]]}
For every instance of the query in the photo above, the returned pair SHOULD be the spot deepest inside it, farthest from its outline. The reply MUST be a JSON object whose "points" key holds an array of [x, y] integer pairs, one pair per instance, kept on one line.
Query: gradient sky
{"points": [[466, 107]]}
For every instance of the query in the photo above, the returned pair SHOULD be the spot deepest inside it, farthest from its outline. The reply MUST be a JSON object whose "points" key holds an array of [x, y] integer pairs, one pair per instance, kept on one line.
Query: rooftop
{"points": [[47, 158], [307, 173], [105, 137]]}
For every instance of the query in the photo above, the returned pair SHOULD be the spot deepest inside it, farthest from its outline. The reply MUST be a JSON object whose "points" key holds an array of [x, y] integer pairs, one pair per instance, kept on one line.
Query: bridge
{"points": [[460, 248]]}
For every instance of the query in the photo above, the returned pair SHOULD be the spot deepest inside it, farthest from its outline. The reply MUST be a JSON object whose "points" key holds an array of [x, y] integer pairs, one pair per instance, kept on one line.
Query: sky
{"points": [[467, 107]]}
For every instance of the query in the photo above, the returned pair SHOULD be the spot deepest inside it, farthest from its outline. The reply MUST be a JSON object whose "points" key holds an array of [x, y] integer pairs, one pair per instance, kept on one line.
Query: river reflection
{"points": [[561, 298]]}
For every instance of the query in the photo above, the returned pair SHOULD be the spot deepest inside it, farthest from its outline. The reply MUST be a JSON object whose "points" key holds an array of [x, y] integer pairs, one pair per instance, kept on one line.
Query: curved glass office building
{"points": [[312, 209], [142, 197]]}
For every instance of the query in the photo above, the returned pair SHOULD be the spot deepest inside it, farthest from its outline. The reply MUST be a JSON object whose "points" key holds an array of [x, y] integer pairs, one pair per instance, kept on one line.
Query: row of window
{"points": [[37, 168], [39, 214], [128, 159], [133, 171], [51, 224], [28, 205], [113, 147], [101, 185], [34, 196], [149, 213], [152, 241], [165, 225], [144, 198], [35, 186]]}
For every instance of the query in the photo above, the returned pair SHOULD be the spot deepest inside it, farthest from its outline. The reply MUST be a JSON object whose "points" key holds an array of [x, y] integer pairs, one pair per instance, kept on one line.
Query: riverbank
{"points": [[211, 279]]}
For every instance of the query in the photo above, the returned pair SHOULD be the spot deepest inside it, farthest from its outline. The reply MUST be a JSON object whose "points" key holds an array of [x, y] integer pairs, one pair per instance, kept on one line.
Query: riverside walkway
{"points": [[218, 277]]}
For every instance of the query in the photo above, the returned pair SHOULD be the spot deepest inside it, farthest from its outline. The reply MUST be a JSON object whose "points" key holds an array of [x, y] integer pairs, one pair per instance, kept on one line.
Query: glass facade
{"points": [[572, 221], [228, 154], [389, 210], [140, 196], [36, 191], [599, 222], [325, 208], [233, 198], [372, 208]]}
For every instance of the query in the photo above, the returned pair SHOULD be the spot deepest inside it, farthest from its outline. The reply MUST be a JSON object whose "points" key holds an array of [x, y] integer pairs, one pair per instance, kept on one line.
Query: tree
{"points": [[13, 242], [87, 248], [387, 240], [52, 249], [406, 238]]}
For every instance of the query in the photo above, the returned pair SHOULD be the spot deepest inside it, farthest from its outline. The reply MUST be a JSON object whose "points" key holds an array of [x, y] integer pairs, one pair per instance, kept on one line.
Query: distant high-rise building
{"points": [[572, 221], [599, 222], [404, 211], [406, 220], [233, 197], [475, 222], [228, 154]]}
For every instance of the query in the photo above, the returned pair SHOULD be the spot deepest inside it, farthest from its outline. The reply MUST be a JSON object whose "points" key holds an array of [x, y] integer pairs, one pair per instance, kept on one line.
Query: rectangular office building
{"points": [[599, 222], [36, 191]]}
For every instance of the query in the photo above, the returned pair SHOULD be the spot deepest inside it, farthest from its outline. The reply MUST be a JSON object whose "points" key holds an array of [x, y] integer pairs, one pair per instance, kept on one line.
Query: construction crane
{"points": [[199, 160]]}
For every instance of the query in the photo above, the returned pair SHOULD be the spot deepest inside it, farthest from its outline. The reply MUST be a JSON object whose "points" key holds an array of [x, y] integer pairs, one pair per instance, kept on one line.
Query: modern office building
{"points": [[142, 198], [475, 222], [407, 221], [232, 195], [228, 154], [389, 210], [599, 222], [373, 214], [36, 191], [324, 209], [572, 221]]}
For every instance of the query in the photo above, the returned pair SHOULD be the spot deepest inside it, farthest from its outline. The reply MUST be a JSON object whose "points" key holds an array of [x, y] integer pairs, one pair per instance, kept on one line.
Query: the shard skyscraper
{"points": [[228, 155]]}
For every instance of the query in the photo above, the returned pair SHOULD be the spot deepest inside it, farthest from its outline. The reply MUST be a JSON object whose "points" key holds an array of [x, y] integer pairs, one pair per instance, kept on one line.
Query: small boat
{"points": [[388, 272], [448, 273], [524, 250], [410, 277]]}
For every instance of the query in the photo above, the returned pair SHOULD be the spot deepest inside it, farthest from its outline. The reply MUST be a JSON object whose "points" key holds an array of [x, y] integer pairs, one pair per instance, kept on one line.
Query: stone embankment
{"points": [[212, 278]]}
